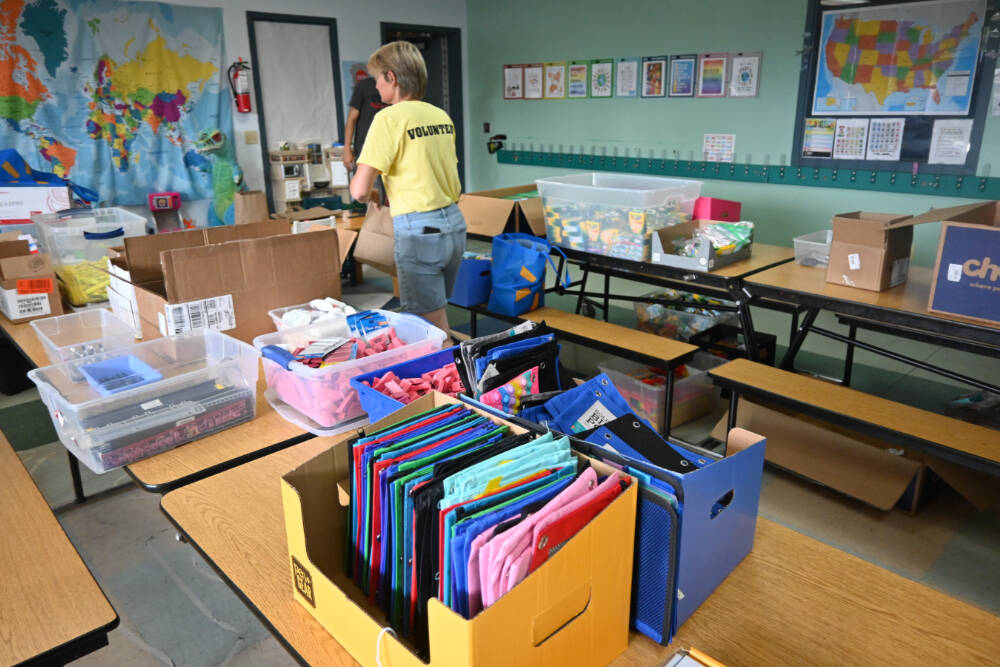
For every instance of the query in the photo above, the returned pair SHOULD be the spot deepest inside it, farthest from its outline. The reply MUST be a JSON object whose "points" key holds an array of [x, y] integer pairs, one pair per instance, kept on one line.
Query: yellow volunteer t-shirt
{"points": [[413, 145]]}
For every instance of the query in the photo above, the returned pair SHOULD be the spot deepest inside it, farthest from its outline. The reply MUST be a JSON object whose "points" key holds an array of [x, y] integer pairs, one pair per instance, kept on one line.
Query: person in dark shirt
{"points": [[365, 102]]}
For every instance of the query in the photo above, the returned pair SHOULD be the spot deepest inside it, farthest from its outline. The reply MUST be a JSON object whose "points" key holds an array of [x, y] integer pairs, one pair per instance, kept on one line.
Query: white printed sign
{"points": [[18, 306], [215, 313], [596, 415]]}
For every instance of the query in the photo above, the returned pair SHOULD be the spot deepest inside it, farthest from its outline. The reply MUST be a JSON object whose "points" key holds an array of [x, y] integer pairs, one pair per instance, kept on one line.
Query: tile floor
{"points": [[175, 611]]}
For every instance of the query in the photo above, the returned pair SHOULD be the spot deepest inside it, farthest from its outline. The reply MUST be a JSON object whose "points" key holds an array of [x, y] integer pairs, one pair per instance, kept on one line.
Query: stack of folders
{"points": [[512, 369], [630, 444], [452, 505]]}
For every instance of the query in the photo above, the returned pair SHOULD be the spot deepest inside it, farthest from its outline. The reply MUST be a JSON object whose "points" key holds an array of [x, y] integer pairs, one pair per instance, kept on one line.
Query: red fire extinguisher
{"points": [[239, 81]]}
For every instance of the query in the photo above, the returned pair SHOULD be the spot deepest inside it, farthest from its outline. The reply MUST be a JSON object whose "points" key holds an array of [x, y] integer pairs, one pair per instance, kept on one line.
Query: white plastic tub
{"points": [[321, 400], [613, 214], [169, 391], [83, 334], [813, 249]]}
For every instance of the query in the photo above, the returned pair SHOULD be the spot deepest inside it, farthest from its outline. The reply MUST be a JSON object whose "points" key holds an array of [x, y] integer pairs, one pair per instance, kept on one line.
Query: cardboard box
{"points": [[28, 288], [18, 204], [142, 253], [710, 208], [870, 250], [574, 609], [706, 259], [488, 213], [967, 269], [231, 286]]}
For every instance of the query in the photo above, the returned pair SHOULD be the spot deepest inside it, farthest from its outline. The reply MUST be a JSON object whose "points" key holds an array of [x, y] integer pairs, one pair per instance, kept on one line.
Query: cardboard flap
{"points": [[534, 215], [981, 213], [486, 216], [345, 241], [253, 230], [10, 236], [314, 213], [24, 266], [14, 248]]}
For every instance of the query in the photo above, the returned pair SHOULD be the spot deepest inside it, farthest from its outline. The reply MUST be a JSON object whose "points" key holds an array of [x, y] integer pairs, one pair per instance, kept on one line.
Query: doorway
{"points": [[296, 80], [442, 51]]}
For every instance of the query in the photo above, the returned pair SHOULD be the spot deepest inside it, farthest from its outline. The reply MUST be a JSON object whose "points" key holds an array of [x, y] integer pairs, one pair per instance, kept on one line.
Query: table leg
{"points": [[607, 295], [788, 363], [583, 288], [852, 334], [473, 324], [74, 473], [746, 321], [668, 403], [734, 400]]}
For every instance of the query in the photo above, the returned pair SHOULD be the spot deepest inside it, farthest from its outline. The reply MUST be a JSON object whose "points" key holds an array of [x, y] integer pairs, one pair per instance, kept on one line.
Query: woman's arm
{"points": [[361, 184]]}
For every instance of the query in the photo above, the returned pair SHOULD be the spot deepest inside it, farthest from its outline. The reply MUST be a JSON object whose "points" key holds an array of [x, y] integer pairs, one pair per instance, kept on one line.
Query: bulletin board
{"points": [[895, 86]]}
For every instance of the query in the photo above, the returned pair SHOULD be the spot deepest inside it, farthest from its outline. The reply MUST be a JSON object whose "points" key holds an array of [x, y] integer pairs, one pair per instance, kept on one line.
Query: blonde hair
{"points": [[404, 60]]}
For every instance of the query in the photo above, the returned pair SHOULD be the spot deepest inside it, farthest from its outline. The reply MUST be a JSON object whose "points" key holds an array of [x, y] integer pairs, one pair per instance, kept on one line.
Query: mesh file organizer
{"points": [[655, 567]]}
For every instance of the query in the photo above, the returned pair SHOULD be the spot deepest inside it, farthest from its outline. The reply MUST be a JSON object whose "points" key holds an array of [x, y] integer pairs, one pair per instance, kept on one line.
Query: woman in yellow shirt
{"points": [[412, 144]]}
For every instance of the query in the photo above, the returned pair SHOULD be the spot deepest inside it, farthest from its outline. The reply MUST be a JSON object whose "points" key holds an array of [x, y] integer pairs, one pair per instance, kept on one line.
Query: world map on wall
{"points": [[917, 58], [113, 94]]}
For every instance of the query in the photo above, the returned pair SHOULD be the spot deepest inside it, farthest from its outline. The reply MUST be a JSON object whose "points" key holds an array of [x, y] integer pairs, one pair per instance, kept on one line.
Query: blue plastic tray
{"points": [[377, 404], [119, 374]]}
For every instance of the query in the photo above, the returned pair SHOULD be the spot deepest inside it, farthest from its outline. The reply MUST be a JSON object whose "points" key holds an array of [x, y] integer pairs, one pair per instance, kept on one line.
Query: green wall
{"points": [[521, 31]]}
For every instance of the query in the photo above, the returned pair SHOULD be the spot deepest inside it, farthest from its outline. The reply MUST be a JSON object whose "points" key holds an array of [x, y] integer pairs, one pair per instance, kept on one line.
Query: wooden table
{"points": [[792, 601], [51, 609], [901, 310]]}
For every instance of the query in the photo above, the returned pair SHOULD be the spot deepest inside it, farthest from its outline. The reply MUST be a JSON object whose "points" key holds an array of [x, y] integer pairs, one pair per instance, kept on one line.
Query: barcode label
{"points": [[36, 286], [215, 313]]}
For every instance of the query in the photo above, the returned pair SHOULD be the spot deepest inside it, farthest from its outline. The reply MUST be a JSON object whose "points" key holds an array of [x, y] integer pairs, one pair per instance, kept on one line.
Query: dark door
{"points": [[442, 51]]}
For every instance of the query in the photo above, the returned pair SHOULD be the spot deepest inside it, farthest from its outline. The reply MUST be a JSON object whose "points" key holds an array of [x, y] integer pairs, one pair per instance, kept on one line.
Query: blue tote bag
{"points": [[519, 273]]}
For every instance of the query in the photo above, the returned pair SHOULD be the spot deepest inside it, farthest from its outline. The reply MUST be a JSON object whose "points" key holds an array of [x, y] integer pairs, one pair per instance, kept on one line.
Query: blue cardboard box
{"points": [[472, 287], [967, 271]]}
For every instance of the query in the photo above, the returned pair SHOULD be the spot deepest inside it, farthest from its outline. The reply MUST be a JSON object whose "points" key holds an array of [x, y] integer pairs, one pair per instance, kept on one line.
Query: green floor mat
{"points": [[27, 425]]}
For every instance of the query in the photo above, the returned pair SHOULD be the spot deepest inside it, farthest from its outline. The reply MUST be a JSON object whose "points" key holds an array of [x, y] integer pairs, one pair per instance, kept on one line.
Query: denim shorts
{"points": [[428, 251]]}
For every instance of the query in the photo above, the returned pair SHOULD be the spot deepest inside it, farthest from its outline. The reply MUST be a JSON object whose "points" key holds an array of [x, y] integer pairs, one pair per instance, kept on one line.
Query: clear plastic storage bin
{"points": [[121, 406], [78, 240], [680, 322], [277, 315], [694, 395], [613, 214], [321, 400], [813, 249], [85, 234], [83, 334]]}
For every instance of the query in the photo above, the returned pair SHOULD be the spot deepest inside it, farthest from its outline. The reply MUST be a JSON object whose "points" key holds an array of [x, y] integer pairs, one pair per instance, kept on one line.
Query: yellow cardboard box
{"points": [[574, 609]]}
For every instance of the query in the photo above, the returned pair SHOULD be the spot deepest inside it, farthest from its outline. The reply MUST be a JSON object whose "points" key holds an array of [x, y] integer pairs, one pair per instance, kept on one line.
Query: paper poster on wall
{"points": [[654, 69], [850, 139], [718, 147], [601, 77], [817, 138], [712, 74], [627, 77], [682, 75], [885, 138], [745, 78], [577, 80], [534, 82], [950, 141], [555, 81], [513, 82]]}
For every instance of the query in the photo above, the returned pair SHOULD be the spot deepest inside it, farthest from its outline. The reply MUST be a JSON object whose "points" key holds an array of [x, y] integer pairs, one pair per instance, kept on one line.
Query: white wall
{"points": [[358, 35]]}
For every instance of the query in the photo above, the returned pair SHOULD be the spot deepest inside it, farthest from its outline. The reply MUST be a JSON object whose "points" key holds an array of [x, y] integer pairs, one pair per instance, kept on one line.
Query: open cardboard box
{"points": [[706, 259], [28, 288], [573, 610], [870, 250], [487, 213]]}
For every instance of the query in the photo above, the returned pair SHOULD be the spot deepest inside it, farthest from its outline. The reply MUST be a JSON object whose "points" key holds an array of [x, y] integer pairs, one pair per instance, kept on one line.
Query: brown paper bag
{"points": [[250, 207]]}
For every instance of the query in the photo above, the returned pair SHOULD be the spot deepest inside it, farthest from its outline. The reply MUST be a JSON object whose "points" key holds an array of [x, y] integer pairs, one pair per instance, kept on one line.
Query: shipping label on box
{"points": [[967, 279], [19, 306], [214, 313]]}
